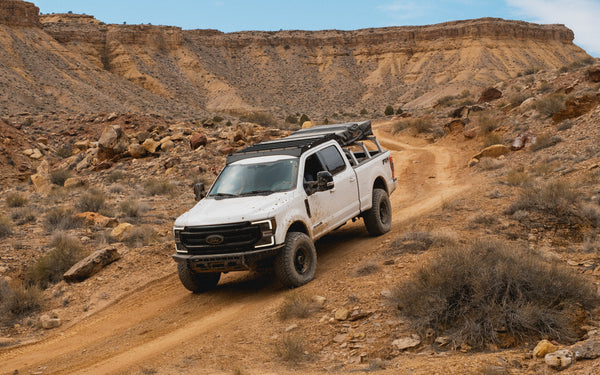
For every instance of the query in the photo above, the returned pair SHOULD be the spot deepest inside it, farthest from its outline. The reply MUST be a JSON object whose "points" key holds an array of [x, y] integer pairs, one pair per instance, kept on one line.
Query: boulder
{"points": [[471, 133], [594, 74], [41, 180], [308, 124], [227, 150], [94, 219], [112, 143], [544, 347], [577, 107], [492, 151], [81, 145], [523, 140], [136, 150], [92, 264], [167, 146], [36, 154], [588, 349], [489, 94], [559, 360], [407, 342], [454, 126], [72, 182], [121, 231], [150, 145], [197, 140], [50, 320]]}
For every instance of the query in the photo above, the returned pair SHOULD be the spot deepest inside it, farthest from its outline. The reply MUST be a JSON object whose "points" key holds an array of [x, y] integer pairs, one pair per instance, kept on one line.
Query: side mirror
{"points": [[324, 181], [199, 191]]}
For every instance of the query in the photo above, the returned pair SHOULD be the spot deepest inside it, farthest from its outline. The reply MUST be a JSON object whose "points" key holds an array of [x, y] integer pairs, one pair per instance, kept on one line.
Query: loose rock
{"points": [[544, 347], [92, 264], [122, 231], [407, 342], [588, 349], [50, 320], [560, 359], [341, 314]]}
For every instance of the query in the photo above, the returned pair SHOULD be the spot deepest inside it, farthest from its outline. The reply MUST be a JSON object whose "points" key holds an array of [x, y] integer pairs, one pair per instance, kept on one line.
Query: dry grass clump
{"points": [[116, 176], [132, 209], [492, 139], [49, 269], [158, 187], [59, 176], [261, 118], [420, 125], [591, 212], [490, 292], [92, 201], [489, 164], [556, 197], [16, 200], [367, 268], [486, 123], [549, 105], [5, 226], [291, 349], [297, 305], [140, 236], [23, 215], [518, 177], [414, 242], [545, 141], [60, 218], [18, 299]]}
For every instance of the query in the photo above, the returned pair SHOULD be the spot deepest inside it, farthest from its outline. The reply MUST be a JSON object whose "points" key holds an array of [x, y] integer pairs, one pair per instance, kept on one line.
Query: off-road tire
{"points": [[378, 219], [296, 264], [197, 282]]}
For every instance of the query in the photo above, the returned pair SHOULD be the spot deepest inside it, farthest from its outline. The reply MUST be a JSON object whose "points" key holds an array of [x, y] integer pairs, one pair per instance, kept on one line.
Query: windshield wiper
{"points": [[224, 195], [257, 192]]}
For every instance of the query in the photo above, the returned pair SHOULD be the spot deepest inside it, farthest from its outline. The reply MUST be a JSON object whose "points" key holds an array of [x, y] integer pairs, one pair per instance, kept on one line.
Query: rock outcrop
{"points": [[19, 13]]}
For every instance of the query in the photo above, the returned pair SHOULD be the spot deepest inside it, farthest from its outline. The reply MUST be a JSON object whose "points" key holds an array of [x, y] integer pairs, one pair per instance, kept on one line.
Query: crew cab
{"points": [[273, 200]]}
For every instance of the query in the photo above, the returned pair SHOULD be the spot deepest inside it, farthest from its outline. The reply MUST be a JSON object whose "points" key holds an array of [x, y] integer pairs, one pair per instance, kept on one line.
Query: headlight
{"points": [[178, 246], [267, 229]]}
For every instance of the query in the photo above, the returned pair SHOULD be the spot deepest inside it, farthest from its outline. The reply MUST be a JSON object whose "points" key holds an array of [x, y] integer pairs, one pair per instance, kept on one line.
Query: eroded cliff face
{"points": [[317, 72], [18, 13]]}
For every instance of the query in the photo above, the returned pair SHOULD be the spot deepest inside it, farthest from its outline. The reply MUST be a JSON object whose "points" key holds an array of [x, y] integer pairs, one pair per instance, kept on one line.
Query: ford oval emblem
{"points": [[215, 239]]}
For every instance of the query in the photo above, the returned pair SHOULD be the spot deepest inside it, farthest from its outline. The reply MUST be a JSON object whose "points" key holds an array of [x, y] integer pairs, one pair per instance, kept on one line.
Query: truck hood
{"points": [[211, 211]]}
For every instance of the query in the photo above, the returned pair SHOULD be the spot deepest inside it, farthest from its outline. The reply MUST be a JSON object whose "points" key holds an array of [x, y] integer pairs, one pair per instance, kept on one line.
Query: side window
{"points": [[333, 160], [312, 167]]}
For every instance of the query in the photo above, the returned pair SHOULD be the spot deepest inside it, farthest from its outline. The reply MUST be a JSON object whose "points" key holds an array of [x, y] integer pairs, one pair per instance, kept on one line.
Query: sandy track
{"points": [[162, 316]]}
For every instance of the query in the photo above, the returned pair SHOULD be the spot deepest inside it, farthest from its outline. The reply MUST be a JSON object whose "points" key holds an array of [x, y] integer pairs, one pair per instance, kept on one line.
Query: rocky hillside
{"points": [[75, 63]]}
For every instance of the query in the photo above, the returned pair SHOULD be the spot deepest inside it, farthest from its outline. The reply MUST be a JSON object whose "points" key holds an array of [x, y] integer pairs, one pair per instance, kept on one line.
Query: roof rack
{"points": [[303, 140]]}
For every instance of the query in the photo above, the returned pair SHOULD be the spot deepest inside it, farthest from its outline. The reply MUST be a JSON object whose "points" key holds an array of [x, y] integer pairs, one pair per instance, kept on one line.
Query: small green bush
{"points": [[92, 201], [59, 176], [49, 269], [16, 200], [5, 226], [158, 187], [490, 292], [389, 110]]}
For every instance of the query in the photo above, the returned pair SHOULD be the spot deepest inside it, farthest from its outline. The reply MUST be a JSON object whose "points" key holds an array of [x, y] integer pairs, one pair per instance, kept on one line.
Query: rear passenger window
{"points": [[333, 160]]}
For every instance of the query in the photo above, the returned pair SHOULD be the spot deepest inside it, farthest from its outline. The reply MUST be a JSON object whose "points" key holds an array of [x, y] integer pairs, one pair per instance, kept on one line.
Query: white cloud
{"points": [[581, 16]]}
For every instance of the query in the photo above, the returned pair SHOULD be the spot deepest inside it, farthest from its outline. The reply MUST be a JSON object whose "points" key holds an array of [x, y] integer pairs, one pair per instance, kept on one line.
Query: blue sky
{"points": [[582, 16]]}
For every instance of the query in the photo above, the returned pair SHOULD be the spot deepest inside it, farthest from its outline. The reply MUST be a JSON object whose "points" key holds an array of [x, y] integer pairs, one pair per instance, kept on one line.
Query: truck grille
{"points": [[220, 239]]}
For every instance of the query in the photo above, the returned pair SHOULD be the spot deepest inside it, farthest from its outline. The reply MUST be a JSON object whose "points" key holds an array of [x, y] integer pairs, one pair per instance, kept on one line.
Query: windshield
{"points": [[256, 179]]}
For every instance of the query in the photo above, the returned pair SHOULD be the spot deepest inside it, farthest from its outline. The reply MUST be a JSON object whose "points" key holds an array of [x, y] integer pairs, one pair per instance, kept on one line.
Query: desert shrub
{"points": [[421, 125], [492, 139], [297, 305], [389, 110], [531, 70], [581, 63], [489, 164], [116, 176], [59, 176], [303, 119], [217, 119], [490, 292], [364, 111], [367, 268], [140, 236], [591, 212], [544, 141], [565, 125], [291, 349], [158, 187], [487, 124], [92, 201], [23, 215], [18, 299], [445, 101], [132, 209], [49, 269], [60, 218], [545, 86], [555, 197], [65, 151], [517, 98], [291, 119], [549, 105], [518, 177], [5, 226], [16, 200], [116, 189], [399, 111], [260, 118]]}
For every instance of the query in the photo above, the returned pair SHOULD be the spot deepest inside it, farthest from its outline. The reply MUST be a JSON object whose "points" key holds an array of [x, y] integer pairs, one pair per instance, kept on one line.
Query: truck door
{"points": [[330, 208]]}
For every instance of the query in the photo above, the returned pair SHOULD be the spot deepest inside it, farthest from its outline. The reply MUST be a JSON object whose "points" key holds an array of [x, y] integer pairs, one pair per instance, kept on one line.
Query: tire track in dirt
{"points": [[163, 316]]}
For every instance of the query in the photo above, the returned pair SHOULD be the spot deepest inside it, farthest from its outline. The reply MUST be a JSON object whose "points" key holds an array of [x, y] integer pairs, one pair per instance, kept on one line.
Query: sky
{"points": [[581, 16]]}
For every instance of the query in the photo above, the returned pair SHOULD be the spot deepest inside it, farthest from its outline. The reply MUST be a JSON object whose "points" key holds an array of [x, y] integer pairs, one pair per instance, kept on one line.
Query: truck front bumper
{"points": [[240, 261]]}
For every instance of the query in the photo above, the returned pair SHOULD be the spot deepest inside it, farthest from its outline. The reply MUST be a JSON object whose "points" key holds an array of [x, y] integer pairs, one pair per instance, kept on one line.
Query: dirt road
{"points": [[165, 328]]}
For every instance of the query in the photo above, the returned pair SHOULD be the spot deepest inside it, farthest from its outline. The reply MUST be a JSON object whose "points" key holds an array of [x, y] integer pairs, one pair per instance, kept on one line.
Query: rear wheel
{"points": [[296, 265], [378, 219], [197, 282]]}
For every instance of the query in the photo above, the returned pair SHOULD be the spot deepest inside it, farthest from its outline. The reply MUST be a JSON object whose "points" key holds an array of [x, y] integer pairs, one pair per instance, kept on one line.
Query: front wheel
{"points": [[296, 264], [378, 219], [197, 282]]}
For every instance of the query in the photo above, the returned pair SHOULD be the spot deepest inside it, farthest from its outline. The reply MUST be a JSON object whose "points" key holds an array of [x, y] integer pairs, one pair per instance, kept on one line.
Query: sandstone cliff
{"points": [[184, 72]]}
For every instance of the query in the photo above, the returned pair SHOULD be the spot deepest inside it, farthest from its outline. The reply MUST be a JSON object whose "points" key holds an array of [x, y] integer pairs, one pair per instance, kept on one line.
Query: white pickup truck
{"points": [[273, 200]]}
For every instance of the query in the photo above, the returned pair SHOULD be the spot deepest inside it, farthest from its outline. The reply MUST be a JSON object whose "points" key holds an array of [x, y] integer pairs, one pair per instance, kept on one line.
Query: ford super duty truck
{"points": [[273, 200]]}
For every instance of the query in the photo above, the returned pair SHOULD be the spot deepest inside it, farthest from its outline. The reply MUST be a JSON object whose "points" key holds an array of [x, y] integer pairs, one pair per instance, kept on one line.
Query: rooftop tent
{"points": [[346, 133]]}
